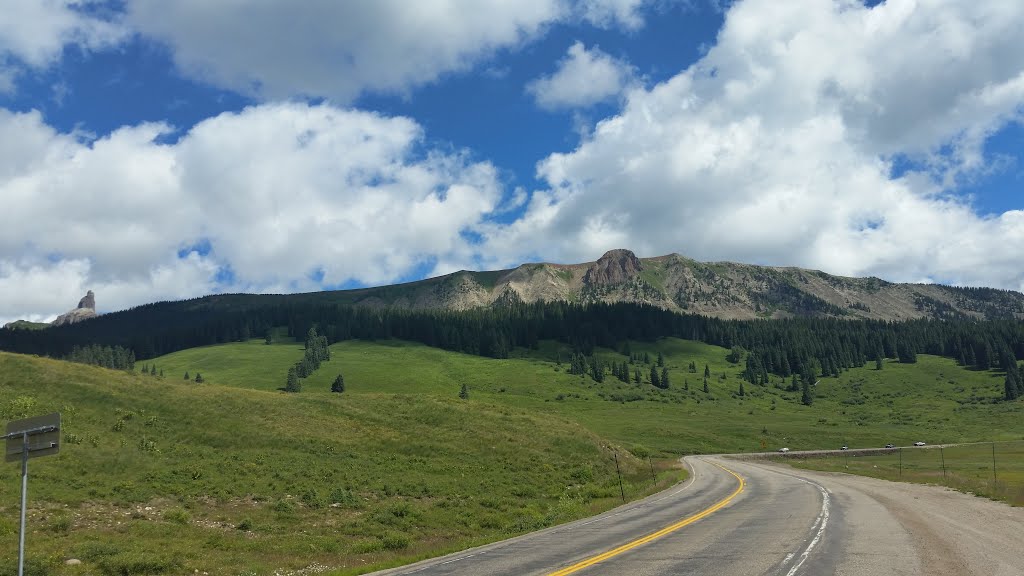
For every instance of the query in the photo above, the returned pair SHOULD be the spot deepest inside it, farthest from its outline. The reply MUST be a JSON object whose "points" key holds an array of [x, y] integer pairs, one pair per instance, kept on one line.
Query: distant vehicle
{"points": [[845, 448], [783, 450], [918, 443], [889, 446]]}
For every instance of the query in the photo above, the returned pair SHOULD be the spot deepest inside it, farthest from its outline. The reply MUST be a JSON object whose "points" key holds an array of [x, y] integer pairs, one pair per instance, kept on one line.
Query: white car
{"points": [[918, 443], [783, 450]]}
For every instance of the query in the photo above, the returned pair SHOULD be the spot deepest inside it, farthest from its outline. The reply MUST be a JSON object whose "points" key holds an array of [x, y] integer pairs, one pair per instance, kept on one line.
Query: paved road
{"points": [[750, 518]]}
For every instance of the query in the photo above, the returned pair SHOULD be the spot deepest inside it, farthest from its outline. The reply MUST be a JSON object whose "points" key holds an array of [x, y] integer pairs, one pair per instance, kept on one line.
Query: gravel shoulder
{"points": [[914, 529]]}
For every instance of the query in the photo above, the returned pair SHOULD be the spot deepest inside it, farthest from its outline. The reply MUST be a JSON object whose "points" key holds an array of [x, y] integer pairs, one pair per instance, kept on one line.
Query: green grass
{"points": [[398, 468], [994, 470], [934, 399], [156, 475]]}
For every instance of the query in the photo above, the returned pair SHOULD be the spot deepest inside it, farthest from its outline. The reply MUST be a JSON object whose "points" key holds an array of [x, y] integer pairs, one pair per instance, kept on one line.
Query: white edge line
{"points": [[822, 519]]}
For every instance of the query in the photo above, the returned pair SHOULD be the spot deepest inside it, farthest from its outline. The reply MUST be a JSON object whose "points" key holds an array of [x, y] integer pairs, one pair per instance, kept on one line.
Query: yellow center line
{"points": [[654, 535]]}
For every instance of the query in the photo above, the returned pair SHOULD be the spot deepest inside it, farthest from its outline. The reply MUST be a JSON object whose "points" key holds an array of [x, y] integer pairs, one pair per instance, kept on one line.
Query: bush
{"points": [[394, 541], [245, 524], [344, 497], [284, 506], [178, 515], [61, 524], [312, 499]]}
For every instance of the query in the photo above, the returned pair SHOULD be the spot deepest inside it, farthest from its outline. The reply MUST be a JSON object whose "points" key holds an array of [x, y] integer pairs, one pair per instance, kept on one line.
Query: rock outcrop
{"points": [[88, 301], [86, 309], [615, 267]]}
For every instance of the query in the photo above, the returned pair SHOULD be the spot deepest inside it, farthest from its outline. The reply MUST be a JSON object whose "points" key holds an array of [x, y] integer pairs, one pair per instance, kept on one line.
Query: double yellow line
{"points": [[654, 535]]}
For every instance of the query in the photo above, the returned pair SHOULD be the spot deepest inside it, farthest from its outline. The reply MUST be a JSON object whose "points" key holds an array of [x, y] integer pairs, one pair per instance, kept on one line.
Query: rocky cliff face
{"points": [[615, 267], [86, 309]]}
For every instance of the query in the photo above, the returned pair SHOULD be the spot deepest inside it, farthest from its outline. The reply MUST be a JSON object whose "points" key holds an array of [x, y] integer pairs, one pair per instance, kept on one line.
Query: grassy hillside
{"points": [[159, 475], [934, 399]]}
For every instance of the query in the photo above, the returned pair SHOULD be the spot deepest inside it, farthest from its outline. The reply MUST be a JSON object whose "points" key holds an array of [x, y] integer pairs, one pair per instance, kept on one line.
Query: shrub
{"points": [[394, 541], [61, 524], [178, 515], [284, 506], [312, 499]]}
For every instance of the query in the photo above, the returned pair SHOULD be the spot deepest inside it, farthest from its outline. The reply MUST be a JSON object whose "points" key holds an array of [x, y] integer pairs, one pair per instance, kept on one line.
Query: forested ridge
{"points": [[782, 347]]}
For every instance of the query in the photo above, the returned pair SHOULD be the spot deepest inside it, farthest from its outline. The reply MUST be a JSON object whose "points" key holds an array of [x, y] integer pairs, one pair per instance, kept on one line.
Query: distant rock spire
{"points": [[89, 301], [86, 309]]}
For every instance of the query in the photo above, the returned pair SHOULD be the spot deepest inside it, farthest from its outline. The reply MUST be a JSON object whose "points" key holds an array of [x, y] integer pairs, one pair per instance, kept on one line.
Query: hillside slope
{"points": [[159, 475]]}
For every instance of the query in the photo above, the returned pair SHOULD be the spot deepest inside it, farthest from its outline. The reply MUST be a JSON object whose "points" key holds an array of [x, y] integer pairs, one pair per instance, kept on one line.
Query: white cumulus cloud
{"points": [[778, 147], [583, 78], [336, 49], [275, 197], [33, 34]]}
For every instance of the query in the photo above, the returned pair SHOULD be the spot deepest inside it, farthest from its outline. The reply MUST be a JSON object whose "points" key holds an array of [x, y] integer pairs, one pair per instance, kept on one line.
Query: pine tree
{"points": [[199, 378], [878, 363], [464, 392], [338, 385], [636, 375], [187, 377], [661, 360], [664, 378], [806, 397], [152, 370], [905, 352], [686, 385], [742, 392], [1011, 387], [161, 372], [268, 339], [706, 389], [655, 381], [292, 384]]}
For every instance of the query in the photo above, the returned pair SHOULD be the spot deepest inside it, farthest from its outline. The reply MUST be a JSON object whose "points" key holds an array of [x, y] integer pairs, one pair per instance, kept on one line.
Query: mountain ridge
{"points": [[720, 289]]}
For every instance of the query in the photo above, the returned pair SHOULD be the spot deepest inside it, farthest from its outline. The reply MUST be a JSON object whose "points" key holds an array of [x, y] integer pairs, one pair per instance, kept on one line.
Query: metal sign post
{"points": [[30, 438]]}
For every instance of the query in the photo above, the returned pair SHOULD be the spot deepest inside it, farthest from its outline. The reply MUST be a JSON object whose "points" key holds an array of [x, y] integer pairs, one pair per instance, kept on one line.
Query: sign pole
{"points": [[24, 500], [40, 436]]}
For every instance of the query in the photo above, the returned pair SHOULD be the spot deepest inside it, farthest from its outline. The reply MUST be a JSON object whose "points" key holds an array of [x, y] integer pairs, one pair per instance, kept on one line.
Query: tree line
{"points": [[802, 346]]}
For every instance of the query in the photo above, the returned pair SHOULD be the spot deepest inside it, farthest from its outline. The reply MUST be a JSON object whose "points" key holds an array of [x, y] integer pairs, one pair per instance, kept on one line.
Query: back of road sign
{"points": [[39, 444]]}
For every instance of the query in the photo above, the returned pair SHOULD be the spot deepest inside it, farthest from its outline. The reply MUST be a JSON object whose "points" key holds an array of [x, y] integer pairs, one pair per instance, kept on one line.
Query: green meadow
{"points": [[991, 469], [934, 399], [232, 475]]}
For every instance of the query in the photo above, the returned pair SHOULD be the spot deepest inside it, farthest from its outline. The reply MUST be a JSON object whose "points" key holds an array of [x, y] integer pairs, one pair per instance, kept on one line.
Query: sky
{"points": [[161, 150]]}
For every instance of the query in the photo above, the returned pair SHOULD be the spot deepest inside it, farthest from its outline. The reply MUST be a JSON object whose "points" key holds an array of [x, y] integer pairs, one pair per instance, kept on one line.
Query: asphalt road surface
{"points": [[743, 518]]}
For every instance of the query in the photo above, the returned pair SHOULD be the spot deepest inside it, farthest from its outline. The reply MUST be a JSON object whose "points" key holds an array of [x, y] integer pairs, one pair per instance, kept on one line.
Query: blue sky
{"points": [[160, 150]]}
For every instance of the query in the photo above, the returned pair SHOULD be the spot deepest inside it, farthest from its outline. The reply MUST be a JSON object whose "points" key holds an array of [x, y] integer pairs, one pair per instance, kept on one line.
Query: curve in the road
{"points": [[655, 535]]}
